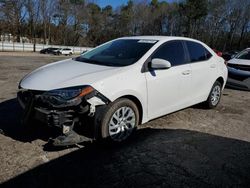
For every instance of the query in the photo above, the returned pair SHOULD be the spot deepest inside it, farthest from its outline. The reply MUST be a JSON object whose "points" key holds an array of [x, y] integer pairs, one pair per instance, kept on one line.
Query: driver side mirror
{"points": [[160, 64]]}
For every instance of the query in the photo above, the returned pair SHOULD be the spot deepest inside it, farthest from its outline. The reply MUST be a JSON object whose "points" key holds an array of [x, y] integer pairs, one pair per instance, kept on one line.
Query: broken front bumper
{"points": [[54, 117], [38, 106]]}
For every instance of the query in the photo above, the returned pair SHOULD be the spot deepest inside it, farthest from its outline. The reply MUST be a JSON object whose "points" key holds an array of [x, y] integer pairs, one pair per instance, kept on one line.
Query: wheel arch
{"points": [[221, 80], [137, 103]]}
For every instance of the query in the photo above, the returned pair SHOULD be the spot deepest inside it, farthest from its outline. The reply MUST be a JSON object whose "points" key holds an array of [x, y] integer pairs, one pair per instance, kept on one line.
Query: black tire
{"points": [[108, 114], [210, 103]]}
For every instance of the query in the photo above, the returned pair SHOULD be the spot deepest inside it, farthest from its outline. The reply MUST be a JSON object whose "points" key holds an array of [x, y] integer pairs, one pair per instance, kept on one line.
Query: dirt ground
{"points": [[194, 147]]}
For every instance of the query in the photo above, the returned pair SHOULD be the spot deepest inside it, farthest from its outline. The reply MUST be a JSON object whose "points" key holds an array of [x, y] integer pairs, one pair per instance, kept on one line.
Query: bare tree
{"points": [[223, 24], [47, 8], [13, 16], [33, 10]]}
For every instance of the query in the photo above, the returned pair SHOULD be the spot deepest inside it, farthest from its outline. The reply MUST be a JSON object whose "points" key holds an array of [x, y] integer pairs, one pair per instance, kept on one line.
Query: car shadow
{"points": [[11, 126], [151, 158]]}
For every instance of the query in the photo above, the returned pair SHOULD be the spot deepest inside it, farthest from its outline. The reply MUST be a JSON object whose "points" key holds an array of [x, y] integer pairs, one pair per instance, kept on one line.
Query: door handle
{"points": [[212, 66], [187, 72]]}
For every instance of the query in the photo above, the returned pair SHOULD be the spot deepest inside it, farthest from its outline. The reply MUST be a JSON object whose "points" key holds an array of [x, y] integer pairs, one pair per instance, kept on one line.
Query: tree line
{"points": [[222, 24]]}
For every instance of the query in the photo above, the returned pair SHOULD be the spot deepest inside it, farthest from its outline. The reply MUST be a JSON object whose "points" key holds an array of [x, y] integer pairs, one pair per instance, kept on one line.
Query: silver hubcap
{"points": [[122, 123], [215, 95]]}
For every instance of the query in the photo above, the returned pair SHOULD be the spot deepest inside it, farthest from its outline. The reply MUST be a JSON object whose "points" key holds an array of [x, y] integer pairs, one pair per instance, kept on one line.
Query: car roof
{"points": [[159, 38]]}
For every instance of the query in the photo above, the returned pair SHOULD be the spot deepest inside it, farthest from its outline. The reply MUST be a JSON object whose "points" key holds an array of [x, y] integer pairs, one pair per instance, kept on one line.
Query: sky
{"points": [[116, 3]]}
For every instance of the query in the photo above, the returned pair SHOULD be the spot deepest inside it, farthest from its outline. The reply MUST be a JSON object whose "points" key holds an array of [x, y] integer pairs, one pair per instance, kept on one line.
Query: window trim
{"points": [[188, 54], [146, 65]]}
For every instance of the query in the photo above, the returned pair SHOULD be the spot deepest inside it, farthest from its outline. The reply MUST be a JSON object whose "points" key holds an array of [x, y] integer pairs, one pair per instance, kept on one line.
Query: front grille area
{"points": [[27, 95], [240, 67], [24, 96], [42, 107]]}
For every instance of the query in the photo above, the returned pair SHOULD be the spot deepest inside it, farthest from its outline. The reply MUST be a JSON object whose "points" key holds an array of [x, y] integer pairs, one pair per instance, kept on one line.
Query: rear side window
{"points": [[171, 51], [197, 52], [208, 54]]}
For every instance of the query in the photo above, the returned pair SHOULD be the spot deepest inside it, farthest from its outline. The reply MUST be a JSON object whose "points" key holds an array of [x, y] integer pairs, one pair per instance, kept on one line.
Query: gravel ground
{"points": [[194, 147]]}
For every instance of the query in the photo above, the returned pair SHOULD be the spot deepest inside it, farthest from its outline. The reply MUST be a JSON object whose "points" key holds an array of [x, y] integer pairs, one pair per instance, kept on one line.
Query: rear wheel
{"points": [[214, 96], [119, 120]]}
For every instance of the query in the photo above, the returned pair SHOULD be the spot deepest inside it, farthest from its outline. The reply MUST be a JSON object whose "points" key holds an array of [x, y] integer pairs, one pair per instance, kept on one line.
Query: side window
{"points": [[208, 54], [171, 51], [197, 52]]}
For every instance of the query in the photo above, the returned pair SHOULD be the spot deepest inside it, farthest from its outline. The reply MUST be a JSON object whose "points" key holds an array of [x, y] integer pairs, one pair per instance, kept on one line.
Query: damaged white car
{"points": [[111, 89]]}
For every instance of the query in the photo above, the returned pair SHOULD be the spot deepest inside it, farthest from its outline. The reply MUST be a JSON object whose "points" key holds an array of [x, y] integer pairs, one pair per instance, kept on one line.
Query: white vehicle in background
{"points": [[239, 71], [121, 84], [63, 51]]}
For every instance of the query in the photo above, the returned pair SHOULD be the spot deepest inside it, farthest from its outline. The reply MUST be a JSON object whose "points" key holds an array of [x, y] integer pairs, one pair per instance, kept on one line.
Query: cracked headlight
{"points": [[70, 93], [64, 97]]}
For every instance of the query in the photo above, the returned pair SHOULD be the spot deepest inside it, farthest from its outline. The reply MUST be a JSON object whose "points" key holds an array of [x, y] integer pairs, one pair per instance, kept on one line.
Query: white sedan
{"points": [[63, 51], [239, 71], [121, 84]]}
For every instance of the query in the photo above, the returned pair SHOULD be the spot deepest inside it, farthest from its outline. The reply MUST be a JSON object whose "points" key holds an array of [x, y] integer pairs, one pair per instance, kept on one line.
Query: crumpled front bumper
{"points": [[71, 116], [54, 117], [38, 108]]}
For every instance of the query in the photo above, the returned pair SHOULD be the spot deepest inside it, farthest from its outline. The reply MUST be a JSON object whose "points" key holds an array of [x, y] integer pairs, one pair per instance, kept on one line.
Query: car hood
{"points": [[66, 73], [239, 61]]}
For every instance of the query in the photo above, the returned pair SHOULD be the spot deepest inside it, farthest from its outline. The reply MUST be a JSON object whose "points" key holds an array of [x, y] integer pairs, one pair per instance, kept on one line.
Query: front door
{"points": [[169, 89]]}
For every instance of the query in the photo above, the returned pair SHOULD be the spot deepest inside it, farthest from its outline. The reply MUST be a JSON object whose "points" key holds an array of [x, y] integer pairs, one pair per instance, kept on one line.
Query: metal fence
{"points": [[28, 47]]}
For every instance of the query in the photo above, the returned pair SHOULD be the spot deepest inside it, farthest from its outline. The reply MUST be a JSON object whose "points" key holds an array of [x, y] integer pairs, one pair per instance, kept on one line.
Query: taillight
{"points": [[219, 54]]}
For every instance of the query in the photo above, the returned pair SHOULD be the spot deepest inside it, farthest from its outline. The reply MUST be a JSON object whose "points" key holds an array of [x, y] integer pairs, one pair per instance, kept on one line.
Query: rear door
{"points": [[169, 89], [204, 70]]}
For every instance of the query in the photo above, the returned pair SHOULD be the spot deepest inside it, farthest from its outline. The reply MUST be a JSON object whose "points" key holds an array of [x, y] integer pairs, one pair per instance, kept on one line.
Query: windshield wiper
{"points": [[87, 60], [81, 59]]}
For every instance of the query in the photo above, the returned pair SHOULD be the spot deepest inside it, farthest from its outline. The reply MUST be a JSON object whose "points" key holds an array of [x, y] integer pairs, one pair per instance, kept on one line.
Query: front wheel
{"points": [[119, 120], [214, 95]]}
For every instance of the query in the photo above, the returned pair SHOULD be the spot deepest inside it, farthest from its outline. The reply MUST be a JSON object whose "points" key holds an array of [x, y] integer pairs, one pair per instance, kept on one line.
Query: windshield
{"points": [[120, 52], [244, 55]]}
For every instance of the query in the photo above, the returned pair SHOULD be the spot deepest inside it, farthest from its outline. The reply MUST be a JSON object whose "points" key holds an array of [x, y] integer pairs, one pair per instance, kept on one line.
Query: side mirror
{"points": [[160, 64]]}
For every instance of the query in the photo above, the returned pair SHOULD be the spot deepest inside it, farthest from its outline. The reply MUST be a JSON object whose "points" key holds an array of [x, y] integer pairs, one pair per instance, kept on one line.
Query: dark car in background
{"points": [[239, 71], [48, 50], [229, 55]]}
